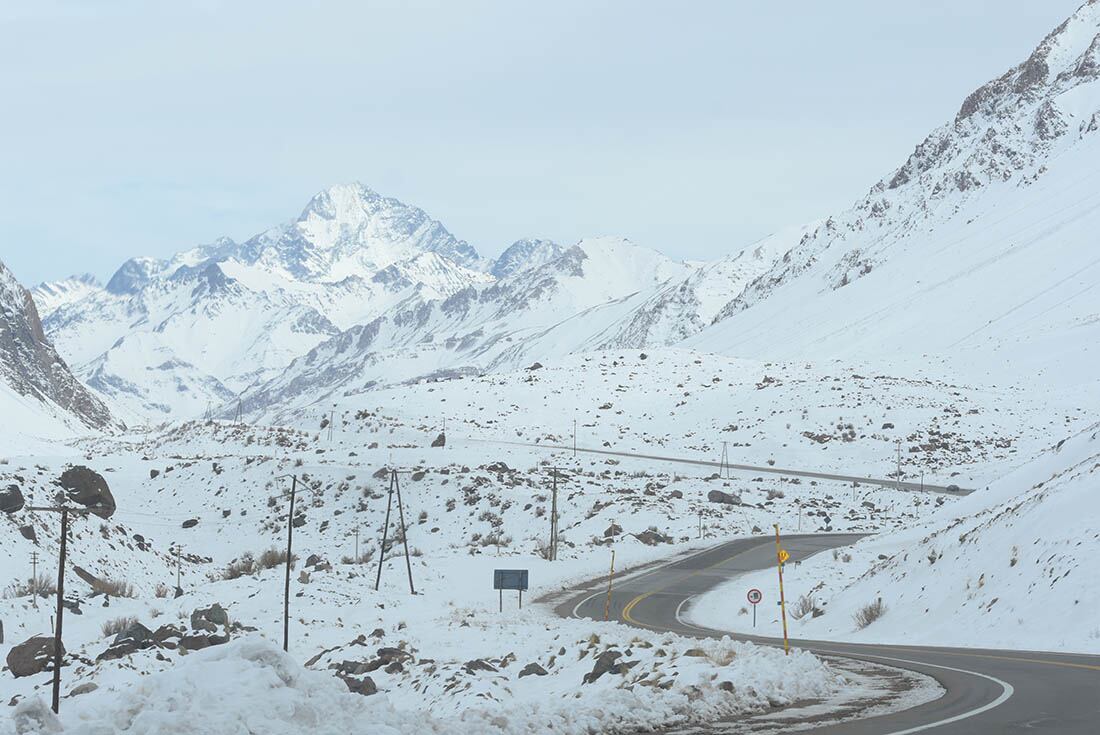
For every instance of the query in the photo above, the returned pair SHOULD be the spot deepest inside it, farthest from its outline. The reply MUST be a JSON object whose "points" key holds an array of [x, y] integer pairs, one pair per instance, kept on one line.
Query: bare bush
{"points": [[117, 625], [114, 587], [162, 590], [804, 606], [542, 548], [273, 557], [43, 586], [869, 613], [239, 567], [363, 558]]}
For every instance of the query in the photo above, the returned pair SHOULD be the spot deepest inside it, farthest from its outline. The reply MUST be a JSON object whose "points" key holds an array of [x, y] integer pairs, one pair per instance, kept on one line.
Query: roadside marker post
{"points": [[755, 596], [782, 556], [610, 579]]}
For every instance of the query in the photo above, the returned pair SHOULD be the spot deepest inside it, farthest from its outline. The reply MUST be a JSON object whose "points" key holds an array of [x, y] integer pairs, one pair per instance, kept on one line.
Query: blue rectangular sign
{"points": [[509, 579]]}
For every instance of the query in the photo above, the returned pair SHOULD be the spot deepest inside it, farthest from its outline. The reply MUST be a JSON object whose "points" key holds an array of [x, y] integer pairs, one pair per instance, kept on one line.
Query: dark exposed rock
{"points": [[135, 638], [532, 669], [28, 533], [153, 474], [613, 530], [11, 499], [717, 496], [478, 664], [440, 440], [32, 656], [650, 537], [190, 523], [364, 686], [605, 663], [88, 488], [208, 619]]}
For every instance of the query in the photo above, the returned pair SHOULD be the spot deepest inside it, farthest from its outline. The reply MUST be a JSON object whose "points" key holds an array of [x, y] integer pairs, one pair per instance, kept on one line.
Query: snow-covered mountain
{"points": [[980, 245], [37, 390], [175, 337], [51, 295], [524, 255], [561, 306]]}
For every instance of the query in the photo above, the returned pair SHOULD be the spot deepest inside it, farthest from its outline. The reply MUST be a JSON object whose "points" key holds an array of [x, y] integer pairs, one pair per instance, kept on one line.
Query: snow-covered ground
{"points": [[1007, 568]]}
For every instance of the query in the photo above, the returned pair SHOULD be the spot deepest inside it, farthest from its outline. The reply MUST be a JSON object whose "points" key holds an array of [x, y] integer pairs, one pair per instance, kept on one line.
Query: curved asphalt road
{"points": [[988, 692]]}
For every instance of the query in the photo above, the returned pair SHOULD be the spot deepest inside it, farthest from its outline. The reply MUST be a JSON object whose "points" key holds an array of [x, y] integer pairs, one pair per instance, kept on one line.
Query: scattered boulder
{"points": [[440, 441], [153, 474], [650, 537], [88, 686], [613, 530], [190, 523], [478, 664], [11, 499], [28, 533], [717, 496], [535, 366], [208, 619], [532, 669], [498, 467], [88, 488], [313, 560], [608, 663], [676, 494], [32, 656], [135, 638], [364, 686]]}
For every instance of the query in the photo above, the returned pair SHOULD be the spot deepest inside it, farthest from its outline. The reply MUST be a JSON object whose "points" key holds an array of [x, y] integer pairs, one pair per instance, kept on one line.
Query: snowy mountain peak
{"points": [[132, 276], [524, 255], [51, 295]]}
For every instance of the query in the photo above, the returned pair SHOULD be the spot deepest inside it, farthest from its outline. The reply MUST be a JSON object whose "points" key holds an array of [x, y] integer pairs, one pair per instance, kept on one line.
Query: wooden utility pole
{"points": [[899, 464], [57, 645], [554, 513], [356, 557], [34, 579], [179, 589], [289, 556], [394, 485], [724, 466], [574, 437]]}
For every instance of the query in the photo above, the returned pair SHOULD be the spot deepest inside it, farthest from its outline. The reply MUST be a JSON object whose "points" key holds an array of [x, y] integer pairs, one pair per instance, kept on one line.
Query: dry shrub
{"points": [[869, 613], [116, 626]]}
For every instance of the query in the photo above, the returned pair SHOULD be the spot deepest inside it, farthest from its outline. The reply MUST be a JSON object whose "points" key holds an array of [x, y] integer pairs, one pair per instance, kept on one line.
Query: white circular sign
{"points": [[755, 596]]}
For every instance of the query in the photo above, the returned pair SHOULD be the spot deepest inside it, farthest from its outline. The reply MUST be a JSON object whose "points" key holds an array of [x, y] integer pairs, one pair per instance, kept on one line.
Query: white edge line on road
{"points": [[1006, 691]]}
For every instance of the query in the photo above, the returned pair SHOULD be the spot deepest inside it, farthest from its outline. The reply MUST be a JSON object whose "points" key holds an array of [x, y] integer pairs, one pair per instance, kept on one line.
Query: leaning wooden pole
{"points": [[780, 555]]}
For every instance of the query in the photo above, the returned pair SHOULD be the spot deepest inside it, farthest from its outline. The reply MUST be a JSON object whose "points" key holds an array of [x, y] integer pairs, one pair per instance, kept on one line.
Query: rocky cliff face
{"points": [[30, 365]]}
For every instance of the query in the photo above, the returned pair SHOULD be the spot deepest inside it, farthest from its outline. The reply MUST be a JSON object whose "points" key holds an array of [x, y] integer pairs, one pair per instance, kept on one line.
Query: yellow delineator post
{"points": [[610, 577], [781, 556]]}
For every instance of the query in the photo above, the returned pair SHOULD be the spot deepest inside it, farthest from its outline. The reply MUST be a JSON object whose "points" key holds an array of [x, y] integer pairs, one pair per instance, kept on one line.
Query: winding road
{"points": [[889, 482], [987, 692]]}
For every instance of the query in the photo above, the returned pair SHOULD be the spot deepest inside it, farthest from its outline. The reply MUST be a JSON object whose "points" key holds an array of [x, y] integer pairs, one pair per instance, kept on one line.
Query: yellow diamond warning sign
{"points": [[783, 556]]}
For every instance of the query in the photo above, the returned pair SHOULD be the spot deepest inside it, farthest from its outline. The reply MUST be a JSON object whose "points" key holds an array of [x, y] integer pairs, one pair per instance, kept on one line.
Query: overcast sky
{"points": [[137, 128]]}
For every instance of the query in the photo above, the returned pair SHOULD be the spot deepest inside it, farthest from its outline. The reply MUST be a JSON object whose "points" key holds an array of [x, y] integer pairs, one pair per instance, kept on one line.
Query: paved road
{"points": [[881, 482], [988, 692]]}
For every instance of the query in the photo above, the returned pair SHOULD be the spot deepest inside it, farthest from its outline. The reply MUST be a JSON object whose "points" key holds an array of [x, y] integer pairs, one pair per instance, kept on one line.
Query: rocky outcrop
{"points": [[30, 364]]}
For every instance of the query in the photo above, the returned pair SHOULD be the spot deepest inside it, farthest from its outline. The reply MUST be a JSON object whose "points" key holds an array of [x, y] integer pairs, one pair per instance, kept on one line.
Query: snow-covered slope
{"points": [[38, 392], [981, 246], [995, 570]]}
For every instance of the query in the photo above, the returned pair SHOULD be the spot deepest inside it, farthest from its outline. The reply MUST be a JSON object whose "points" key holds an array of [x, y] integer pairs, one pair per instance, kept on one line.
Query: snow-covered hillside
{"points": [[979, 248], [1007, 568]]}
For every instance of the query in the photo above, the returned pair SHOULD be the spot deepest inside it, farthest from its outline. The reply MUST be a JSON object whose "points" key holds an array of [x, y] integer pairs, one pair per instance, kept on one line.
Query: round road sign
{"points": [[755, 596]]}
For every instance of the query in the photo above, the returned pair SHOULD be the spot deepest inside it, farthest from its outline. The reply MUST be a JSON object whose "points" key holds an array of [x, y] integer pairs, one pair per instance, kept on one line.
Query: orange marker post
{"points": [[781, 556]]}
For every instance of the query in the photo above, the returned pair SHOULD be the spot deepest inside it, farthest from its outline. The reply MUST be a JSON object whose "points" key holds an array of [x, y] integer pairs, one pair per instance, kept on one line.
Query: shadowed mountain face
{"points": [[30, 365]]}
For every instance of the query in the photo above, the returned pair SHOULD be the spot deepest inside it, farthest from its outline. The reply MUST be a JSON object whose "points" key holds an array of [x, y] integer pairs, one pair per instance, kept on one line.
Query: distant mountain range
{"points": [[980, 248]]}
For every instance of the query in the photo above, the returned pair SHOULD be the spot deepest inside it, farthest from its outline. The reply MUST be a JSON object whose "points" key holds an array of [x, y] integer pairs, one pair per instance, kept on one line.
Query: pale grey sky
{"points": [[138, 128]]}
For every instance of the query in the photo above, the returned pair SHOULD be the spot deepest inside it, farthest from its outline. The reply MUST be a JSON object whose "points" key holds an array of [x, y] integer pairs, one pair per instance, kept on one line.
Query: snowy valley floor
{"points": [[445, 659]]}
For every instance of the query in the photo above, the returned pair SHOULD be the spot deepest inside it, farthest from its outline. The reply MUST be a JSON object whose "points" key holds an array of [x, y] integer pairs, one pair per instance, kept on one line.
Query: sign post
{"points": [[755, 596], [510, 579], [781, 557]]}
